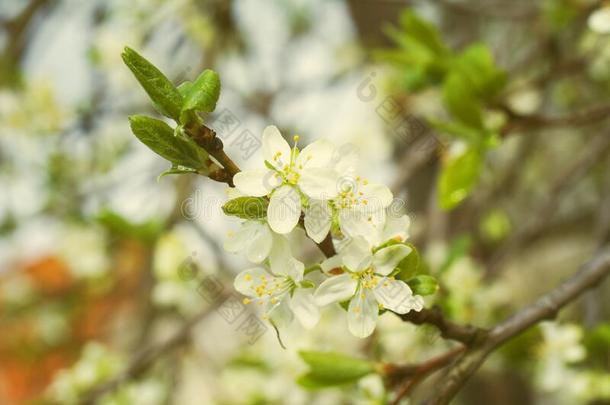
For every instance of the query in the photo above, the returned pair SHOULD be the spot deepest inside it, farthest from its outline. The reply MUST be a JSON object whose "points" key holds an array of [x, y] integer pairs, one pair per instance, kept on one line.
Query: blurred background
{"points": [[487, 118]]}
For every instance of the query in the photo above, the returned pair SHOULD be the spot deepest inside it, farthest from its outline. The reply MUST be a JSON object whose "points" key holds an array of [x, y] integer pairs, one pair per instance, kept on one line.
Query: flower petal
{"points": [[247, 281], [260, 244], [317, 220], [304, 307], [254, 183], [378, 195], [394, 295], [280, 312], [357, 254], [295, 269], [346, 159], [355, 223], [275, 148], [331, 263], [335, 289], [284, 209], [319, 183], [362, 314], [316, 154], [385, 260], [279, 256], [396, 227], [240, 239]]}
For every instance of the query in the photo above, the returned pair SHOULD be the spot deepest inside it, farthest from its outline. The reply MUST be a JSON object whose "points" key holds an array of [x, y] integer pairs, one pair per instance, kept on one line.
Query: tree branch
{"points": [[546, 307], [466, 334], [529, 122], [540, 216]]}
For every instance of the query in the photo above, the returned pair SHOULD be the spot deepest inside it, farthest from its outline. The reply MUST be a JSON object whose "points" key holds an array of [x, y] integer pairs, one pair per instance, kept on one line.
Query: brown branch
{"points": [[415, 374], [466, 334], [536, 121], [546, 307], [541, 215], [207, 139]]}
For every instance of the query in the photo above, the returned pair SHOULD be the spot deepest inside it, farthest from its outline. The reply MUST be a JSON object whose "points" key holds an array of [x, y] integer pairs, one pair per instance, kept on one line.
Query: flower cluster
{"points": [[317, 188]]}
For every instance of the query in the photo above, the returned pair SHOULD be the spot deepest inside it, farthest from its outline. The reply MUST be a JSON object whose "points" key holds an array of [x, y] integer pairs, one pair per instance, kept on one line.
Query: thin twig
{"points": [[466, 334], [540, 216], [586, 116], [590, 275], [418, 373]]}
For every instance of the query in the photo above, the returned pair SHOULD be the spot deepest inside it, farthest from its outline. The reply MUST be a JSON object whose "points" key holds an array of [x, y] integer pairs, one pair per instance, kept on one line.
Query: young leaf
{"points": [[477, 65], [166, 98], [423, 285], [458, 177], [176, 170], [423, 32], [160, 138], [329, 369], [203, 93], [246, 207], [461, 101], [409, 266]]}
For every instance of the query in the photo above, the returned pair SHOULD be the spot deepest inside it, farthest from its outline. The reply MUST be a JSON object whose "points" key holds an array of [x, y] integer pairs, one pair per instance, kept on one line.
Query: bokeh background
{"points": [[100, 260]]}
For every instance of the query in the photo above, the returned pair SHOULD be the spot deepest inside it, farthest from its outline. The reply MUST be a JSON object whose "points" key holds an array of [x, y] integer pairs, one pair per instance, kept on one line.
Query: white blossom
{"points": [[282, 295], [290, 177], [368, 284]]}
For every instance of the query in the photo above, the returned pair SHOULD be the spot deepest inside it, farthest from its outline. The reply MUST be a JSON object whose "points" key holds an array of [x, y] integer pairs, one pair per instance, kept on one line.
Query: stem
{"points": [[207, 139], [546, 307], [466, 334]]}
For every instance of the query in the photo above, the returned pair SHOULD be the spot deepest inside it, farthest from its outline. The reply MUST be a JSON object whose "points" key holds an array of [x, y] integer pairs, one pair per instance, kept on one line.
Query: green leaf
{"points": [[423, 32], [458, 177], [160, 138], [176, 170], [495, 225], [185, 87], [247, 207], [166, 98], [203, 93], [409, 266], [476, 64], [458, 130], [461, 101], [330, 369], [423, 285]]}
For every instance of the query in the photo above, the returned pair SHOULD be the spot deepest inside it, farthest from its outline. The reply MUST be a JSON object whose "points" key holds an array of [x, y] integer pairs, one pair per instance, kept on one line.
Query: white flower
{"points": [[259, 242], [361, 206], [281, 295], [289, 175], [599, 20], [368, 285], [254, 237]]}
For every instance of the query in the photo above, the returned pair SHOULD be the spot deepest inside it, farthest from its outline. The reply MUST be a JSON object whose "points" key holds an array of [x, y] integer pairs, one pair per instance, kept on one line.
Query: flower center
{"points": [[289, 173], [351, 196], [268, 288], [368, 279]]}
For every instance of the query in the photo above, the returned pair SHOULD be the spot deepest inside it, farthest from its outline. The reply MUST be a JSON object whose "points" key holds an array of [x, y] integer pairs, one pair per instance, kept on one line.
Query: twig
{"points": [[416, 374], [546, 307], [207, 139], [541, 215], [466, 334], [530, 122]]}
